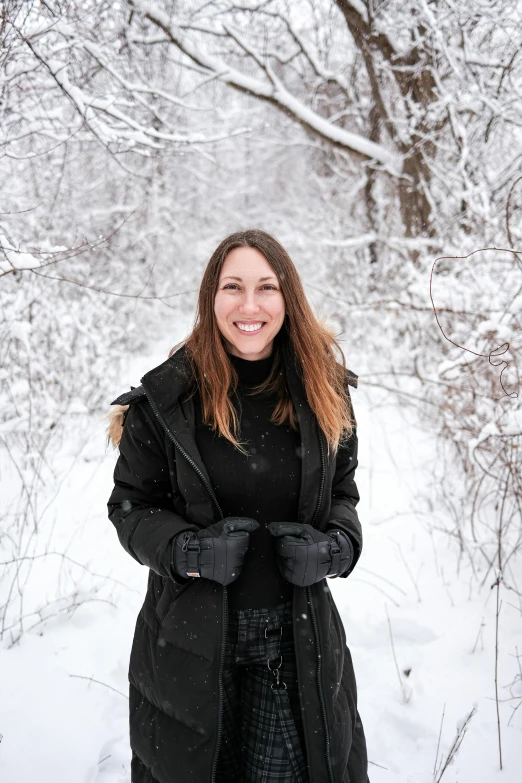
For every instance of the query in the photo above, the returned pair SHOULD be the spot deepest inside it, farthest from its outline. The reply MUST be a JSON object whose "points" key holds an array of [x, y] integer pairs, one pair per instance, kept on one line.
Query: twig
{"points": [[91, 679], [377, 765], [101, 290], [479, 636], [361, 569], [377, 587], [63, 255], [70, 560], [497, 613], [457, 742], [403, 689], [438, 742], [67, 609], [405, 562], [499, 604], [519, 678], [508, 227]]}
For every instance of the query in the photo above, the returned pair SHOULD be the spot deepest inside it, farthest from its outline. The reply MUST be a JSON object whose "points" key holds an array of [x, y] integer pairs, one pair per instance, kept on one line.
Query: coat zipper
{"points": [[320, 686], [181, 449], [314, 622], [321, 487], [211, 492], [220, 683]]}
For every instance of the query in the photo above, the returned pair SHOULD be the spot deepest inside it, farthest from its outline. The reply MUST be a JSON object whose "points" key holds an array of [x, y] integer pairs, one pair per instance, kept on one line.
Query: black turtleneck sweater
{"points": [[264, 485]]}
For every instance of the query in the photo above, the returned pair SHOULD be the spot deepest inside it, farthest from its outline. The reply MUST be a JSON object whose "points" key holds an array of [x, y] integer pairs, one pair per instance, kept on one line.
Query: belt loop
{"points": [[274, 631]]}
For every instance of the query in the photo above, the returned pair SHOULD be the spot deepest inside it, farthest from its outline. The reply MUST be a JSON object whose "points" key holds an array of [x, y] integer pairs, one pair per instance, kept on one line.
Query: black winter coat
{"points": [[161, 487]]}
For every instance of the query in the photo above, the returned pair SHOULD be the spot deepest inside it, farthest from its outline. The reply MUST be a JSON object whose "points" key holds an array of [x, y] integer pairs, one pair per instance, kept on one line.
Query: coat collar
{"points": [[169, 386]]}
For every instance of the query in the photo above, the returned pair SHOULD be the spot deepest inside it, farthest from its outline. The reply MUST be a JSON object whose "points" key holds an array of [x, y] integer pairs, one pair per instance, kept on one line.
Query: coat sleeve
{"points": [[141, 506], [345, 495]]}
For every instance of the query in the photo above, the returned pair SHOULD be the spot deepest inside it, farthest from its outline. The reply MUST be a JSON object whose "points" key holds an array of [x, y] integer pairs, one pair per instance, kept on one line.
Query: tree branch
{"points": [[272, 91]]}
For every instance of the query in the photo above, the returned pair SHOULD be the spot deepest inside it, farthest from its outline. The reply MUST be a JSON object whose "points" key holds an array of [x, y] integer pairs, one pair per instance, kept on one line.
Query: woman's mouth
{"points": [[253, 327]]}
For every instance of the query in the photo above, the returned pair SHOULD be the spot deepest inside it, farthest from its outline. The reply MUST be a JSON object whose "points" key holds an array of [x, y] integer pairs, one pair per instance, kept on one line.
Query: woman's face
{"points": [[249, 306]]}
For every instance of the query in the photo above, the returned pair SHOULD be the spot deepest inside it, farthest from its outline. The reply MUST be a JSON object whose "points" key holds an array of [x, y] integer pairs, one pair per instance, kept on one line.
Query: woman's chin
{"points": [[250, 348]]}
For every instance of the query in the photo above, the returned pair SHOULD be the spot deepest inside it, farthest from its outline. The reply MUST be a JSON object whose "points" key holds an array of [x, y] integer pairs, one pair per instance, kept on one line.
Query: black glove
{"points": [[306, 555], [215, 552]]}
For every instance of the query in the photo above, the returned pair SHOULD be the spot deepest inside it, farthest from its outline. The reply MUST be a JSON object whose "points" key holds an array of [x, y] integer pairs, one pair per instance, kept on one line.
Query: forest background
{"points": [[381, 143]]}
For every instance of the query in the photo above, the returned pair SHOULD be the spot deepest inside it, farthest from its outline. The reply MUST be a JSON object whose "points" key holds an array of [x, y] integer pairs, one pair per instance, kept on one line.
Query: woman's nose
{"points": [[249, 303]]}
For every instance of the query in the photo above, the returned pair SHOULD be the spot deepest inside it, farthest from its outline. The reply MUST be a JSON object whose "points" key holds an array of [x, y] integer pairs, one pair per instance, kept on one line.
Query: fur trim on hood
{"points": [[119, 408], [116, 417]]}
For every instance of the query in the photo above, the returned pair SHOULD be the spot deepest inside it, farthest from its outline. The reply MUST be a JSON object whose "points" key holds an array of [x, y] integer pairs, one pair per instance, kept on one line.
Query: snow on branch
{"points": [[12, 260], [271, 90]]}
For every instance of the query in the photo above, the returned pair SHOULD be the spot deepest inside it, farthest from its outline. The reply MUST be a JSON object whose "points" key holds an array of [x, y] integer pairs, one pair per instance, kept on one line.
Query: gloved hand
{"points": [[215, 552], [306, 555]]}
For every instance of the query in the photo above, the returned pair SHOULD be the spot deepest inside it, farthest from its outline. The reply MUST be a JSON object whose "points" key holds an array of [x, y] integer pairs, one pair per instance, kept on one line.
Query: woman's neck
{"points": [[252, 373]]}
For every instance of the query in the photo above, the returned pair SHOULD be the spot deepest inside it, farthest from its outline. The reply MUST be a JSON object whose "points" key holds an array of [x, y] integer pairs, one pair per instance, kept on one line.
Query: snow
{"points": [[436, 618], [64, 685], [16, 259], [420, 625], [272, 90]]}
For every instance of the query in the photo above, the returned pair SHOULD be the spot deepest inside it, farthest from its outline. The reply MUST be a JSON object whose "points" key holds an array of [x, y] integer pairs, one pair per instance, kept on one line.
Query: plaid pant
{"points": [[262, 734]]}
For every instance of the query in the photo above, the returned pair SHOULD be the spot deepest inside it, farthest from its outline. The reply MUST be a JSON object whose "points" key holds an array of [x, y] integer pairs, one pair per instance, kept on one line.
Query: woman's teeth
{"points": [[250, 327]]}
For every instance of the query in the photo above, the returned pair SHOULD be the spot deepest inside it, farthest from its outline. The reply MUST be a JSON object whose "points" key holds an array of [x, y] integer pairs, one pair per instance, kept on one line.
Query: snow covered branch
{"points": [[271, 90]]}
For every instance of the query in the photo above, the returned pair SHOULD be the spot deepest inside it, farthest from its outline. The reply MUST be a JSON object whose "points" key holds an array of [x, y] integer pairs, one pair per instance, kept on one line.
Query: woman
{"points": [[235, 486]]}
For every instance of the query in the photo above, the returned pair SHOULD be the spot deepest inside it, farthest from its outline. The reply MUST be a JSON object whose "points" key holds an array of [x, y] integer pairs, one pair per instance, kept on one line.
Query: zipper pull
{"points": [[188, 535]]}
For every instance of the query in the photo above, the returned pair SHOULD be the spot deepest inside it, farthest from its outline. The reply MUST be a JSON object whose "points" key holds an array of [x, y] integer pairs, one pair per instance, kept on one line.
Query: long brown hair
{"points": [[315, 348]]}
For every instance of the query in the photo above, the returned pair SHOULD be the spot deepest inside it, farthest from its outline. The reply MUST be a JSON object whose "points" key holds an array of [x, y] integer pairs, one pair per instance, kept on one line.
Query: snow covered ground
{"points": [[63, 708], [442, 626]]}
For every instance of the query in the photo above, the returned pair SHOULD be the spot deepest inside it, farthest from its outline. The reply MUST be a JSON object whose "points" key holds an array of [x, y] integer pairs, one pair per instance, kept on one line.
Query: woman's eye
{"points": [[235, 287]]}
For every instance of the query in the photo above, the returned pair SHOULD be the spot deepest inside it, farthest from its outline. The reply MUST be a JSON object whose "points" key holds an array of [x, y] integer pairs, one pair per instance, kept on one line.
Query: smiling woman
{"points": [[249, 305], [235, 486], [228, 309]]}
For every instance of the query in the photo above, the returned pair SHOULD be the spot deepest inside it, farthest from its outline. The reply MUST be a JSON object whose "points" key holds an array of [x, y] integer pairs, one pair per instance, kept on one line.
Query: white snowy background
{"points": [[371, 138]]}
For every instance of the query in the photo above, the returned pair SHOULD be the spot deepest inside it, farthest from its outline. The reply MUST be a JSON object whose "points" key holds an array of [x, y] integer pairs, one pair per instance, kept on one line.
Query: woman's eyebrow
{"points": [[233, 277]]}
